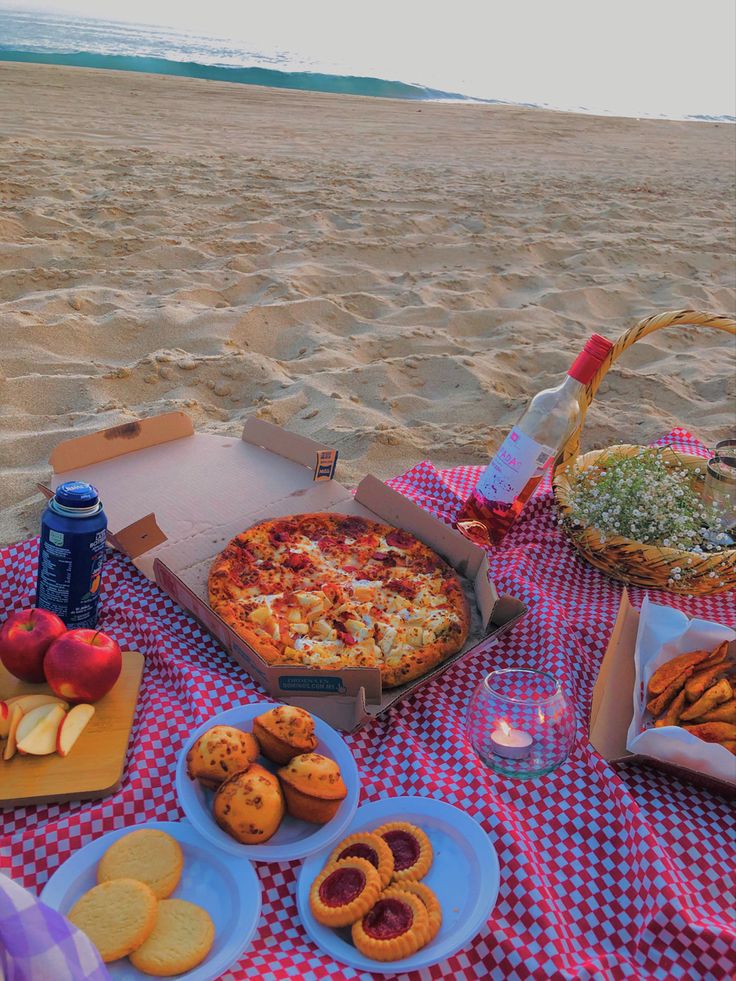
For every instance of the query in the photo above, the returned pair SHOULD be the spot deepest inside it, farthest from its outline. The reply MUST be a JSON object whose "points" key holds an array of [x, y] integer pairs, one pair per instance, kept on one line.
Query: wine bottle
{"points": [[513, 474]]}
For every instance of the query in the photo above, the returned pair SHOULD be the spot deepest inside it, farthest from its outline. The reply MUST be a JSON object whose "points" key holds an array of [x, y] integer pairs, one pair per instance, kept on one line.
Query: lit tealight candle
{"points": [[513, 744]]}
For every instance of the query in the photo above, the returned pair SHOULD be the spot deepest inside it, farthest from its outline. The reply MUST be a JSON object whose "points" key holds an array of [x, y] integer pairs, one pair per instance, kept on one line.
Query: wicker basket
{"points": [[650, 566]]}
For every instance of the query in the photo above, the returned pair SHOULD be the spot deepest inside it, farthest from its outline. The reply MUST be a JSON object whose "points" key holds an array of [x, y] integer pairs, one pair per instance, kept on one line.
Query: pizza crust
{"points": [[335, 591]]}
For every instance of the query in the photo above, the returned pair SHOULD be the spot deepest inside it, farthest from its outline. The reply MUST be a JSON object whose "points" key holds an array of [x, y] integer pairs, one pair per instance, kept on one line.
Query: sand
{"points": [[391, 278]]}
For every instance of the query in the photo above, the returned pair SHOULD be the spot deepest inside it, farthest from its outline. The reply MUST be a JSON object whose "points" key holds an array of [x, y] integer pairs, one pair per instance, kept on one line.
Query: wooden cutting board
{"points": [[94, 767]]}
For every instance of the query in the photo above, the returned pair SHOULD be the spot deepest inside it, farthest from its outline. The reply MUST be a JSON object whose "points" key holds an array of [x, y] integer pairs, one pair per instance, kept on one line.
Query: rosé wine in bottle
{"points": [[513, 474]]}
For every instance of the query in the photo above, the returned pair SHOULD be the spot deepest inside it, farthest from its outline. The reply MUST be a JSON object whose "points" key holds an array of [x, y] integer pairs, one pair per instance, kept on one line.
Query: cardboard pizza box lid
{"points": [[612, 706], [162, 484]]}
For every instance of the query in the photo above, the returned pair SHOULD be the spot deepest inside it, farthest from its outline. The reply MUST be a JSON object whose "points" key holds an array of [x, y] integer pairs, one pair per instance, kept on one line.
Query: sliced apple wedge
{"points": [[16, 714], [71, 727], [31, 719], [29, 702], [4, 720], [26, 703], [41, 740]]}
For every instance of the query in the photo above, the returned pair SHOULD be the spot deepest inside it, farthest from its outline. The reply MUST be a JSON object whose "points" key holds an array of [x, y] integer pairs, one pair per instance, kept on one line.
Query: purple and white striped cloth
{"points": [[39, 944]]}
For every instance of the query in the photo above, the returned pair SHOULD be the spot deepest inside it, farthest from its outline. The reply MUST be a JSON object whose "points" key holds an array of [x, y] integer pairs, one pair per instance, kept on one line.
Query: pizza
{"points": [[340, 591]]}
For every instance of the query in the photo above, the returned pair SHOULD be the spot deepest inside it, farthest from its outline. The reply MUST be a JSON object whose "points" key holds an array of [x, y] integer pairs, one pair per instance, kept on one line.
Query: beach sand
{"points": [[392, 278]]}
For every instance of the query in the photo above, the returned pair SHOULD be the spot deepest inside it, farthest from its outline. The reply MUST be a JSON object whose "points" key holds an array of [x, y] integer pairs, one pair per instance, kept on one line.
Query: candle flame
{"points": [[540, 713], [504, 727]]}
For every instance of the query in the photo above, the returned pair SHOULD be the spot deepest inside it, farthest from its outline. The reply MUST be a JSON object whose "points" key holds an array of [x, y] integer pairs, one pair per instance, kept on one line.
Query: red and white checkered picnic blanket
{"points": [[604, 874]]}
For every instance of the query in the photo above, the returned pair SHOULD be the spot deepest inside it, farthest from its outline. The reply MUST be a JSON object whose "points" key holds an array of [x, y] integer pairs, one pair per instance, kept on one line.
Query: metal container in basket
{"points": [[631, 562]]}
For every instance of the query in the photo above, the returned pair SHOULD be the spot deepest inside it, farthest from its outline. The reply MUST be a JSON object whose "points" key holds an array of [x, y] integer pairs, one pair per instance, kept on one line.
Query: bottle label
{"points": [[70, 574], [518, 459]]}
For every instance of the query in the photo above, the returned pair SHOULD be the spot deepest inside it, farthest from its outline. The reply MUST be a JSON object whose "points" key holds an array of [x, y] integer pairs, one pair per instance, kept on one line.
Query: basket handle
{"points": [[673, 318]]}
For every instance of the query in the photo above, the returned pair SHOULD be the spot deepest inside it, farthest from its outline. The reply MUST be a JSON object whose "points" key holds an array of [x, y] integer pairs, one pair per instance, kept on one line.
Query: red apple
{"points": [[25, 637], [83, 665]]}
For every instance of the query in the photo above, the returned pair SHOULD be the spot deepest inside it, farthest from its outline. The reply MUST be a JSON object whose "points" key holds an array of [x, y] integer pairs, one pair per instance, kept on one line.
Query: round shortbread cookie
{"points": [[181, 939], [147, 855], [117, 916]]}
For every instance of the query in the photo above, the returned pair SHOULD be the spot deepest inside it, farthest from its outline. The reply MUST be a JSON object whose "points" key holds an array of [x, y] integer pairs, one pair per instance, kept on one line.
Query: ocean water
{"points": [[60, 39], [405, 59]]}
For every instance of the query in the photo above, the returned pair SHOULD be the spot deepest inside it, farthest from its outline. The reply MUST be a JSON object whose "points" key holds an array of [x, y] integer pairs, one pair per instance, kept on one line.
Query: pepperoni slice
{"points": [[399, 538], [352, 527], [277, 535], [297, 561], [327, 542], [360, 850], [403, 588], [388, 919], [342, 886], [404, 847], [346, 638]]}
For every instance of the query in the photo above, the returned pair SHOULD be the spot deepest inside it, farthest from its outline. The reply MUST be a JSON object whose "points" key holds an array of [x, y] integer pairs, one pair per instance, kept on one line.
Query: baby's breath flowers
{"points": [[649, 498]]}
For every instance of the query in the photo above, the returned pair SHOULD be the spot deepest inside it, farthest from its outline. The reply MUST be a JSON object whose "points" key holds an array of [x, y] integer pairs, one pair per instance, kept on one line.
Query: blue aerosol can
{"points": [[71, 554]]}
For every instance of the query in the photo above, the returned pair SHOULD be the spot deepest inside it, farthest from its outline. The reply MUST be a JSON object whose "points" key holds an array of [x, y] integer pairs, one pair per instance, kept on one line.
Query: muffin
{"points": [[249, 806], [219, 753], [313, 787], [285, 732]]}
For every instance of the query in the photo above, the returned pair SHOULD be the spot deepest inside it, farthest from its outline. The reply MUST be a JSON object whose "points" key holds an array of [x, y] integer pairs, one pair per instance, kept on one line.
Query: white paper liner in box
{"points": [[663, 634]]}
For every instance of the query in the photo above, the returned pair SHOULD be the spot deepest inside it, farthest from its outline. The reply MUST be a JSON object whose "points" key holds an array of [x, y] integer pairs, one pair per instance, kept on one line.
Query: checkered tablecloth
{"points": [[605, 874]]}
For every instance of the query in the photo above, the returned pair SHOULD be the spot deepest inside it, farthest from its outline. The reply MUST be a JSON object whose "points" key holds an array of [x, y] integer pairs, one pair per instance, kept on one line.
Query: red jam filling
{"points": [[405, 848], [389, 918], [342, 886], [360, 850]]}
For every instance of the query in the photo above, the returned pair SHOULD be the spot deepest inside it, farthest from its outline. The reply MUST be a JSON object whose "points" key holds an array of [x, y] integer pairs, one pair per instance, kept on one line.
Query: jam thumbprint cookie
{"points": [[395, 927], [370, 847], [344, 891], [410, 847], [431, 904]]}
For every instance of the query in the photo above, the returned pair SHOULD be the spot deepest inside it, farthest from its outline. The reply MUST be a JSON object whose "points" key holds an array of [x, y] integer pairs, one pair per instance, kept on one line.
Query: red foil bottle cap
{"points": [[590, 359]]}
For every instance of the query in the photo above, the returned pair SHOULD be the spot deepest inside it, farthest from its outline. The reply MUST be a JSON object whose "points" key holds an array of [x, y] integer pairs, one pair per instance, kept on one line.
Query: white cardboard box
{"points": [[174, 498], [612, 706]]}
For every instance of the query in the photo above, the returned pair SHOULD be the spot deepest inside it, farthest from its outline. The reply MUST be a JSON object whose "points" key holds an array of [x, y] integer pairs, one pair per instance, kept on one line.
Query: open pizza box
{"points": [[612, 708], [174, 499]]}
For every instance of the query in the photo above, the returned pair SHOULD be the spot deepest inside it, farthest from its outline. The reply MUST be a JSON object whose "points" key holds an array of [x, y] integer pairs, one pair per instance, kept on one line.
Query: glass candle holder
{"points": [[521, 723]]}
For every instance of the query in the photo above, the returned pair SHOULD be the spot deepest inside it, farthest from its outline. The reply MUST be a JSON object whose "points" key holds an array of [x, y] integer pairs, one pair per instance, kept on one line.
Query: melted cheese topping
{"points": [[332, 617], [368, 624]]}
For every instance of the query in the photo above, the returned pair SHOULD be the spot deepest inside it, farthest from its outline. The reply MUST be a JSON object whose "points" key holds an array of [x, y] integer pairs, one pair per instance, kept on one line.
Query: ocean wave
{"points": [[271, 77]]}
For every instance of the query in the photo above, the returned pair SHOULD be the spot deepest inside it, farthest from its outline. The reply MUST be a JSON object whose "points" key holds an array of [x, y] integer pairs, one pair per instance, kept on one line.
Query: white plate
{"points": [[230, 892], [294, 839], [464, 876]]}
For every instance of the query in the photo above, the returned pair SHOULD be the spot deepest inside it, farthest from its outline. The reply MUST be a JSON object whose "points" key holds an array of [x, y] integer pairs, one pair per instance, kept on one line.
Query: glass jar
{"points": [[520, 722], [720, 484]]}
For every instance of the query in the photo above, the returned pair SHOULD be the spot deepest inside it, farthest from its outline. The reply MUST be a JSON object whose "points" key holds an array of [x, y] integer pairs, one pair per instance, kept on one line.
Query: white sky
{"points": [[670, 56]]}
